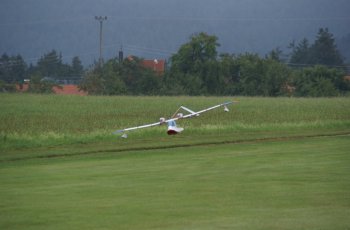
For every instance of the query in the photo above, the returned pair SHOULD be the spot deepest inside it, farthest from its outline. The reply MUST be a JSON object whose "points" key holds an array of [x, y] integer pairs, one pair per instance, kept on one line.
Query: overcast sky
{"points": [[156, 28]]}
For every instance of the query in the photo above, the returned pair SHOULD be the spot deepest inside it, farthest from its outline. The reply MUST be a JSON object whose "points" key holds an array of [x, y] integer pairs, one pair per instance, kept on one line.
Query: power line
{"points": [[183, 18], [44, 21], [143, 49]]}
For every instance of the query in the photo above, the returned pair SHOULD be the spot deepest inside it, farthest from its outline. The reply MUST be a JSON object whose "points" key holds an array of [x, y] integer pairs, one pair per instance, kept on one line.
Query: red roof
{"points": [[68, 90], [156, 65], [64, 89], [22, 87]]}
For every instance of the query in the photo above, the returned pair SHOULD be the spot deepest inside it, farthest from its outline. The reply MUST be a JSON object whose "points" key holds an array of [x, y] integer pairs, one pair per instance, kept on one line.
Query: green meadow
{"points": [[50, 120], [270, 163], [295, 184]]}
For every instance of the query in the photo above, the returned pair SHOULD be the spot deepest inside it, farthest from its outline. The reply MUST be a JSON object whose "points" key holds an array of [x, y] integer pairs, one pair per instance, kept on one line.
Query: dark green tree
{"points": [[92, 82], [195, 65], [275, 54], [230, 72], [113, 83], [276, 77], [40, 85], [300, 53], [261, 77], [12, 69], [319, 81], [126, 77], [77, 69], [322, 52], [50, 65], [251, 69], [138, 79], [132, 73], [149, 83]]}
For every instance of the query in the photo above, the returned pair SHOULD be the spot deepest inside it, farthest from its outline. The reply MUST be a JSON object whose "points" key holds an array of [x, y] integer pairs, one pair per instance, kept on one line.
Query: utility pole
{"points": [[101, 19]]}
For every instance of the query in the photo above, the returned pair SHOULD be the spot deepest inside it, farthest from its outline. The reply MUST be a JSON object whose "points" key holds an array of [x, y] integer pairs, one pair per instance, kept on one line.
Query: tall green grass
{"points": [[45, 120]]}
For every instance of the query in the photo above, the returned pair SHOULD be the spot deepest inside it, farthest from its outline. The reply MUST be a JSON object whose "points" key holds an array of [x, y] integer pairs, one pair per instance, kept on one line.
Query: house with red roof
{"points": [[68, 90], [63, 89], [156, 65]]}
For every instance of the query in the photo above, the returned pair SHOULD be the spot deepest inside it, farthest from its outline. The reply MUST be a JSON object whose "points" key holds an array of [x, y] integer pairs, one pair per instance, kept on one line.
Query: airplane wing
{"points": [[191, 114], [137, 127]]}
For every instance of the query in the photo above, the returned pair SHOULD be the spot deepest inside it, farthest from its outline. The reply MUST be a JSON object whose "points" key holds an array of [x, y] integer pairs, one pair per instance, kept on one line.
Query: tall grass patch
{"points": [[43, 120]]}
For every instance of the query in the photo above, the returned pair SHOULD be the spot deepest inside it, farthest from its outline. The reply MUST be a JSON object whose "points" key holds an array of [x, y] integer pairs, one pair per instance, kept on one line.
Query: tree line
{"points": [[311, 69], [47, 72]]}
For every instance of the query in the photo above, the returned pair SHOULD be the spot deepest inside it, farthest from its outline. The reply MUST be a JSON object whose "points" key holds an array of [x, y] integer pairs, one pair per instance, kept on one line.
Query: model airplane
{"points": [[171, 122]]}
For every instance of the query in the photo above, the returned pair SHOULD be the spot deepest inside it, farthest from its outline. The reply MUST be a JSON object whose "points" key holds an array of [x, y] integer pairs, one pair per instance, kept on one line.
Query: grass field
{"points": [[51, 120], [271, 163], [295, 184]]}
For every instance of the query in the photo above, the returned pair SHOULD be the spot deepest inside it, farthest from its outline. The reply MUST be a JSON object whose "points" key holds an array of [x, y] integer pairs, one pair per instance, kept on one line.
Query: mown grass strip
{"points": [[295, 184]]}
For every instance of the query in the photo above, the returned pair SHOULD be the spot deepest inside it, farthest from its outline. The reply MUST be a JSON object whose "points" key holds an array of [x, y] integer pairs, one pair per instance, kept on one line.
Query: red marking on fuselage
{"points": [[172, 132]]}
